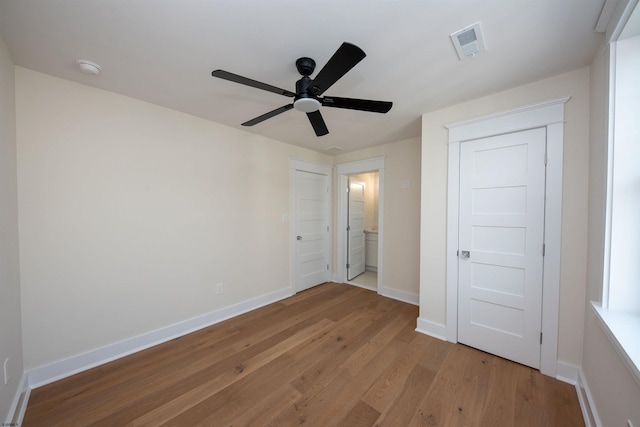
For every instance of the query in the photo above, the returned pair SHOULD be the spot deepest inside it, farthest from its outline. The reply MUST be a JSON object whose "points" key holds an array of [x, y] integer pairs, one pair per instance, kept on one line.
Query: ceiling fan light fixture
{"points": [[306, 105]]}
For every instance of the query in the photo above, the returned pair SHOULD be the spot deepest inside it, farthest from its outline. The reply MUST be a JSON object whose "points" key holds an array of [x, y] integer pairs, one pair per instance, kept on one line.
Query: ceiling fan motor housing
{"points": [[305, 66]]}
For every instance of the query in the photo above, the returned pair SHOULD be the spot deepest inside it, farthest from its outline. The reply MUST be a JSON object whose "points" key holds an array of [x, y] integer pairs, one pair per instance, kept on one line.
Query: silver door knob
{"points": [[299, 237], [465, 254]]}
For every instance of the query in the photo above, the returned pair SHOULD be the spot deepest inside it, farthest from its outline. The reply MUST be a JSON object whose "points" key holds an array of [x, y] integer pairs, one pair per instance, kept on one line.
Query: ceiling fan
{"points": [[307, 97]]}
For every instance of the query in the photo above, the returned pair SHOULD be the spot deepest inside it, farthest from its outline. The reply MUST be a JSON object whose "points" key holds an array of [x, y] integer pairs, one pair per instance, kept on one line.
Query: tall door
{"points": [[355, 229], [502, 181], [312, 229]]}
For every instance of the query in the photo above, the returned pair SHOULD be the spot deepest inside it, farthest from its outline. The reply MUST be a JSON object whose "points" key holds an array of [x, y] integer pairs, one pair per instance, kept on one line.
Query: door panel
{"points": [[312, 234], [501, 224], [356, 239]]}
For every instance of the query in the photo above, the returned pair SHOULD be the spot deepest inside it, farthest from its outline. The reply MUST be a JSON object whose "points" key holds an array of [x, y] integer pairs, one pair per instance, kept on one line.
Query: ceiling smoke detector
{"points": [[468, 41], [89, 67]]}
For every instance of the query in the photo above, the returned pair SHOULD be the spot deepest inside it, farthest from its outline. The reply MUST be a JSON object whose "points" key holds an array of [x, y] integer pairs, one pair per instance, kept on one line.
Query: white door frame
{"points": [[550, 115], [344, 170], [321, 169]]}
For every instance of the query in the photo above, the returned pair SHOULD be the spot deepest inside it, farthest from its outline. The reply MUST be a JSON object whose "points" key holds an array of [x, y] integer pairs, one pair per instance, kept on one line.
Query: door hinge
{"points": [[327, 189], [545, 159], [348, 265], [458, 253], [327, 228], [544, 249], [540, 338], [347, 189], [348, 228], [327, 266]]}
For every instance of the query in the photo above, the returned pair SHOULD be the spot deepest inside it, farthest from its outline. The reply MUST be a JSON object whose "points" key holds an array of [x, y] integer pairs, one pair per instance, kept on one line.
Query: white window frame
{"points": [[620, 327]]}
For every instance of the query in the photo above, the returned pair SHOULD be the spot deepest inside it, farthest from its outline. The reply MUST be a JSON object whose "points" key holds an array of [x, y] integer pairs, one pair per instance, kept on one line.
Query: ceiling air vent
{"points": [[334, 149], [468, 41]]}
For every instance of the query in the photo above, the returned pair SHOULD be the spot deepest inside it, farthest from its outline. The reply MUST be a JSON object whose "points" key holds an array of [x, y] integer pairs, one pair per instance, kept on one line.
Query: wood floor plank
{"points": [[529, 403], [500, 406], [240, 370], [472, 394], [275, 403], [560, 403], [332, 355], [386, 388], [361, 415], [401, 411], [435, 407], [228, 403]]}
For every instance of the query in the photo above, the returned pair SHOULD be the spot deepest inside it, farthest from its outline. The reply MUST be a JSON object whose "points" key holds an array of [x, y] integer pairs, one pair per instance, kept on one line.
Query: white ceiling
{"points": [[163, 52]]}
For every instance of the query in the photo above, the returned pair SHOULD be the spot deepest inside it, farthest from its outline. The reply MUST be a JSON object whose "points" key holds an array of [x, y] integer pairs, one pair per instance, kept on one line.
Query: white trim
{"points": [[549, 114], [587, 405], [432, 329], [621, 329], [343, 170], [618, 19], [536, 115], [453, 215], [313, 167], [605, 15], [399, 295], [320, 169], [608, 220], [19, 404], [553, 243], [82, 362], [567, 373]]}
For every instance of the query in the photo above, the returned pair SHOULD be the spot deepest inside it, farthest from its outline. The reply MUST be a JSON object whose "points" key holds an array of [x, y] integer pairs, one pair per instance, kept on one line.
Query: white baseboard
{"points": [[567, 373], [19, 404], [589, 412], [432, 329], [403, 296], [82, 362]]}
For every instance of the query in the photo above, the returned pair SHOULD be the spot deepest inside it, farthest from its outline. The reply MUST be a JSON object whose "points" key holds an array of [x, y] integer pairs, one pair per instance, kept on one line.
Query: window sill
{"points": [[623, 330]]}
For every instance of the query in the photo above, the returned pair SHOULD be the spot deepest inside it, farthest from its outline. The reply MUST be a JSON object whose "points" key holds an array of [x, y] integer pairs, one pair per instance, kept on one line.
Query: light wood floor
{"points": [[333, 355]]}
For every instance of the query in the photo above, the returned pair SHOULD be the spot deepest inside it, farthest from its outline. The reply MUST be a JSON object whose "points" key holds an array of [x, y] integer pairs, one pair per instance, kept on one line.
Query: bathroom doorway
{"points": [[362, 229], [360, 223]]}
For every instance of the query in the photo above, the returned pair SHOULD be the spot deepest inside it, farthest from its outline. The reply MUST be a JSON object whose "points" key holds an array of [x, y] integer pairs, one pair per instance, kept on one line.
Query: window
{"points": [[620, 309]]}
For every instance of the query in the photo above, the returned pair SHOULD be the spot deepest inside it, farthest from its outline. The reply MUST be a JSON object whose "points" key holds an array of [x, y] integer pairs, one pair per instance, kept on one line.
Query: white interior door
{"points": [[355, 230], [501, 232], [312, 229]]}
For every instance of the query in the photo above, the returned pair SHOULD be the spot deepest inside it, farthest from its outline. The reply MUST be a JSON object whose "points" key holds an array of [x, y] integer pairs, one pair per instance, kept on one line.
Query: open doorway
{"points": [[362, 229], [360, 223]]}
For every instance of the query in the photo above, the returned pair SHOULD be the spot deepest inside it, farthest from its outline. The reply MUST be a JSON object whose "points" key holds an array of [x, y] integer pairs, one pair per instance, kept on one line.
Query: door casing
{"points": [[548, 114]]}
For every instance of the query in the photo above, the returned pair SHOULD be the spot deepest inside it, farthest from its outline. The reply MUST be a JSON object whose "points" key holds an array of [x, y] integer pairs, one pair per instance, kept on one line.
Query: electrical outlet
{"points": [[6, 371], [219, 288]]}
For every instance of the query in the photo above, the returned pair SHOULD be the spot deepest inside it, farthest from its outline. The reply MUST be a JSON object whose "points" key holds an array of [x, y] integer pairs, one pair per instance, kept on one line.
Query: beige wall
{"points": [[401, 211], [131, 214], [10, 323], [574, 206], [615, 394]]}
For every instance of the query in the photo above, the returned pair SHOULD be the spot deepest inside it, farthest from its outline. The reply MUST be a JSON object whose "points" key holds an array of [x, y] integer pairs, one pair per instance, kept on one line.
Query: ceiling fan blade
{"points": [[357, 104], [268, 115], [318, 123], [249, 82], [345, 58]]}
